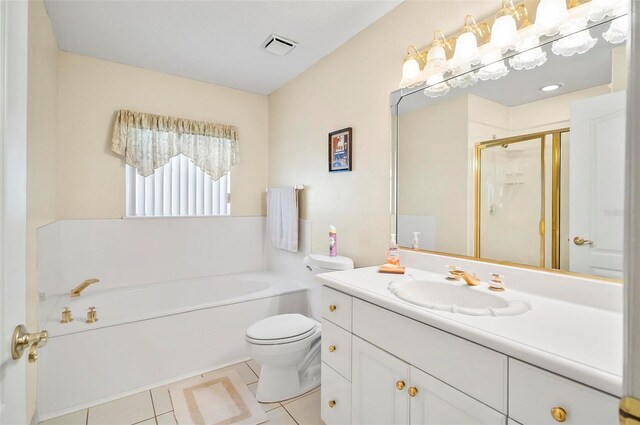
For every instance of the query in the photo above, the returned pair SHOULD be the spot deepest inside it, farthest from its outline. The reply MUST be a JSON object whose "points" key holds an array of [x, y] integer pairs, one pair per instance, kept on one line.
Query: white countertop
{"points": [[577, 341]]}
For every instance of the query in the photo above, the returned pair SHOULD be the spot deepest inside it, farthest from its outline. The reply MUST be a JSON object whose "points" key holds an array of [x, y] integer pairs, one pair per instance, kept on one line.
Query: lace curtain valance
{"points": [[148, 142]]}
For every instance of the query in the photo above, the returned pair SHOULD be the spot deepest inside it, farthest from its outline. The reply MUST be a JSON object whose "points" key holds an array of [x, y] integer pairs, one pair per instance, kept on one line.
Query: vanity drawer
{"points": [[468, 367], [534, 392], [336, 307], [335, 394], [336, 348]]}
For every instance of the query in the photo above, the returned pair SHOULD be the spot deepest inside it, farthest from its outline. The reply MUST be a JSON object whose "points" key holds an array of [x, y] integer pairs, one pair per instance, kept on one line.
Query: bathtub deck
{"points": [[154, 406]]}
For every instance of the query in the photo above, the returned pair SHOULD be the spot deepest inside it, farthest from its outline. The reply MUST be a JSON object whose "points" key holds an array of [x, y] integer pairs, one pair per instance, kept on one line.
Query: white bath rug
{"points": [[219, 399]]}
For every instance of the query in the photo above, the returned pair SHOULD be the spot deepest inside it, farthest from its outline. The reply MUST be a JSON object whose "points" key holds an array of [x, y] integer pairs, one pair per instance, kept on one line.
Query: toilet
{"points": [[287, 346]]}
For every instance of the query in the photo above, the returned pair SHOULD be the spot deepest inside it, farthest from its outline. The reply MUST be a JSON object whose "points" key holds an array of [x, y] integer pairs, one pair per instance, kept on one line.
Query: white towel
{"points": [[282, 218]]}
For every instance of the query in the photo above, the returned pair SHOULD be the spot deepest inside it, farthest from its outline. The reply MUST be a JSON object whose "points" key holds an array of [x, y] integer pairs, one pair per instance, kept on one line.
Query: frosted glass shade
{"points": [[411, 74], [550, 15], [467, 79], [493, 67], [600, 9], [436, 86], [436, 59], [530, 54], [466, 52], [504, 33], [618, 30], [580, 42]]}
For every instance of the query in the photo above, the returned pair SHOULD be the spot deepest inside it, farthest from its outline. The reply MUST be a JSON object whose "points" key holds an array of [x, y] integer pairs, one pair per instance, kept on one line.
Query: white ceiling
{"points": [[213, 41]]}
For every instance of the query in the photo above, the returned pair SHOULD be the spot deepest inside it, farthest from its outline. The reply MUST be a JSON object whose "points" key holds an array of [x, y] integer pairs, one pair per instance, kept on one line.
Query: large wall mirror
{"points": [[527, 169]]}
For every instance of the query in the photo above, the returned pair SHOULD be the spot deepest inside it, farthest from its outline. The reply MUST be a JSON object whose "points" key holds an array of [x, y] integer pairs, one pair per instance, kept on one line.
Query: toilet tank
{"points": [[319, 263]]}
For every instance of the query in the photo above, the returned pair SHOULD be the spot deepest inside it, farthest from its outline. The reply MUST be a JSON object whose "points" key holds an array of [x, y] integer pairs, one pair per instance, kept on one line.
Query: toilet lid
{"points": [[282, 326]]}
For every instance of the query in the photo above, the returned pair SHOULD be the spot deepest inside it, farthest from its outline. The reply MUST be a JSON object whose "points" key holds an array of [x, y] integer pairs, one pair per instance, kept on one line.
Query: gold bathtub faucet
{"points": [[75, 292]]}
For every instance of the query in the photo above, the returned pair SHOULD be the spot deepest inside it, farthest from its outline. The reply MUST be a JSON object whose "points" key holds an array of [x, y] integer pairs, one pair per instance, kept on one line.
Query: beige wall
{"points": [[350, 88], [42, 132], [92, 179]]}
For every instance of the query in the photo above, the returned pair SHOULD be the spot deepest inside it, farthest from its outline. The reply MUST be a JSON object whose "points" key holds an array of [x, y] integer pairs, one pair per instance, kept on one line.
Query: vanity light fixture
{"points": [[437, 54], [573, 40], [551, 87], [550, 15], [436, 86], [493, 65], [466, 50], [414, 62]]}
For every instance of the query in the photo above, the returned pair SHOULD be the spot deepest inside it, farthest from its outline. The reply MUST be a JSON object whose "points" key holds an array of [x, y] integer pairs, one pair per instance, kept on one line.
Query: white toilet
{"points": [[287, 346]]}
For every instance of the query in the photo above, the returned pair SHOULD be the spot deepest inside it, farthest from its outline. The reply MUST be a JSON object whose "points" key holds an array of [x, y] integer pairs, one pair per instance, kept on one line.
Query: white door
{"points": [[13, 136], [596, 185], [379, 386], [436, 403]]}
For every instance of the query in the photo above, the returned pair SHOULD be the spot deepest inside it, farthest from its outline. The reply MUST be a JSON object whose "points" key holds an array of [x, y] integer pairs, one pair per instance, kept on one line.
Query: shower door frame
{"points": [[555, 190]]}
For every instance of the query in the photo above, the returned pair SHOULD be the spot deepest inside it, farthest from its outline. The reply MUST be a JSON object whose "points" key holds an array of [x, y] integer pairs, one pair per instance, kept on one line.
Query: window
{"points": [[178, 188]]}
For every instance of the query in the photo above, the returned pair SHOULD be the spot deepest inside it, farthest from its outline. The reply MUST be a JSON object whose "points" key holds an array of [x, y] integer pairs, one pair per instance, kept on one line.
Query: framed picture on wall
{"points": [[340, 150]]}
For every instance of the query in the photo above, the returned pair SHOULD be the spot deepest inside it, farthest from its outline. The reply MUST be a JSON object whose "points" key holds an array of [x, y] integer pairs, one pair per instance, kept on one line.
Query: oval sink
{"points": [[455, 297]]}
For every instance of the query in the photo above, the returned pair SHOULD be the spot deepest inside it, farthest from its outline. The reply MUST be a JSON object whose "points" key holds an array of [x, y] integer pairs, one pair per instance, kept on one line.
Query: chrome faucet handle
{"points": [[496, 284]]}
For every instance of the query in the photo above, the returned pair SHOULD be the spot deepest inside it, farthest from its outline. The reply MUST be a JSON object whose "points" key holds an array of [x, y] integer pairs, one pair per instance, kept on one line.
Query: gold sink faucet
{"points": [[75, 292], [456, 274]]}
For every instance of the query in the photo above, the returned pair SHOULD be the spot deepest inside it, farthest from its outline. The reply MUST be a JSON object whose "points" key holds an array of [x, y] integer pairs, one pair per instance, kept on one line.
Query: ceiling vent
{"points": [[279, 45]]}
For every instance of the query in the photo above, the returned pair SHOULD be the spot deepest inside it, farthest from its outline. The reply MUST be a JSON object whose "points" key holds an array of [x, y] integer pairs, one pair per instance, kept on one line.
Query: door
{"points": [[13, 117], [596, 185], [436, 403], [379, 386]]}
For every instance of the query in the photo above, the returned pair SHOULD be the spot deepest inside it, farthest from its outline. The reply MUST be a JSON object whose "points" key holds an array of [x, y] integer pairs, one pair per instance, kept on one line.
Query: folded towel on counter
{"points": [[282, 218]]}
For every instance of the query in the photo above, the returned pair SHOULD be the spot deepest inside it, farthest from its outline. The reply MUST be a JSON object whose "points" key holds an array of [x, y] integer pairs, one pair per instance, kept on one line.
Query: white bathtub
{"points": [[152, 334]]}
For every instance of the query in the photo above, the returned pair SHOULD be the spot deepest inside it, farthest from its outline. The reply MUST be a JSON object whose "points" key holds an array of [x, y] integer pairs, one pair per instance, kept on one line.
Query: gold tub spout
{"points": [[471, 279], [75, 292]]}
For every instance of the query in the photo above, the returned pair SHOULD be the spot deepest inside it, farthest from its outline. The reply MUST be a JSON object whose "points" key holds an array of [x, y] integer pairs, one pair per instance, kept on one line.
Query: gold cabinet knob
{"points": [[332, 308], [400, 384], [332, 348], [413, 391], [559, 414], [332, 403]]}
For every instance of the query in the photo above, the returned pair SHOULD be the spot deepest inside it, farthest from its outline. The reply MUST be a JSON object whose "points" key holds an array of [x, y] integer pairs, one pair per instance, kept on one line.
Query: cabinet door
{"points": [[375, 398], [437, 403]]}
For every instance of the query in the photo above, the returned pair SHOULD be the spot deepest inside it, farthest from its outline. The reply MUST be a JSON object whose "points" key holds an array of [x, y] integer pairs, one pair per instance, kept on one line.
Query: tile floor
{"points": [[154, 407]]}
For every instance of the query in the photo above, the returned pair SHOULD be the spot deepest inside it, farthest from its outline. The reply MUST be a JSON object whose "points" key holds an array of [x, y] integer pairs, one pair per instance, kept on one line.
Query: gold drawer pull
{"points": [[332, 308], [413, 391], [400, 384], [332, 348], [559, 414], [332, 403]]}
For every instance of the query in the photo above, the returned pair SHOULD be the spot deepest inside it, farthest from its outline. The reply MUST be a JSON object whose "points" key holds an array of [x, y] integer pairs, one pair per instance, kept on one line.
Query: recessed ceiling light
{"points": [[551, 87]]}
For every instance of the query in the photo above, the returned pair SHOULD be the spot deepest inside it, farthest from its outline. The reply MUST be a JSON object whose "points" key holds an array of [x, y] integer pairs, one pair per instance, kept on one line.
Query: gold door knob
{"points": [[21, 340], [400, 384], [413, 391], [332, 308], [332, 403], [559, 414], [581, 241], [332, 348]]}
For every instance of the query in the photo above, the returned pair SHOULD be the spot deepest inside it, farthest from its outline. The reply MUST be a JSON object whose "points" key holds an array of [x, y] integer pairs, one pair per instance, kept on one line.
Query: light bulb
{"points": [[550, 15], [573, 40], [618, 30], [504, 33]]}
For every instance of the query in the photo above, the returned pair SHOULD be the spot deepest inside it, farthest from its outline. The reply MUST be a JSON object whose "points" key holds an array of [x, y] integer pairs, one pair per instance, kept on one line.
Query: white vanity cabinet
{"points": [[389, 391]]}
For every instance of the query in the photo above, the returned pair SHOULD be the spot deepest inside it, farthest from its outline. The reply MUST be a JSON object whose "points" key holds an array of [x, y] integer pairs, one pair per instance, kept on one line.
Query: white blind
{"points": [[179, 188]]}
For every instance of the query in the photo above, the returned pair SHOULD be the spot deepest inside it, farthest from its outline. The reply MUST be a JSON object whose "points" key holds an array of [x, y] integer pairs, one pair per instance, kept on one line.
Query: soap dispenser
{"points": [[393, 253], [415, 242]]}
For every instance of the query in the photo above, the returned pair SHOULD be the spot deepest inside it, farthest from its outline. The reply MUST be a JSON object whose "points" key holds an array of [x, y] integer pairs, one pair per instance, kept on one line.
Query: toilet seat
{"points": [[281, 329]]}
